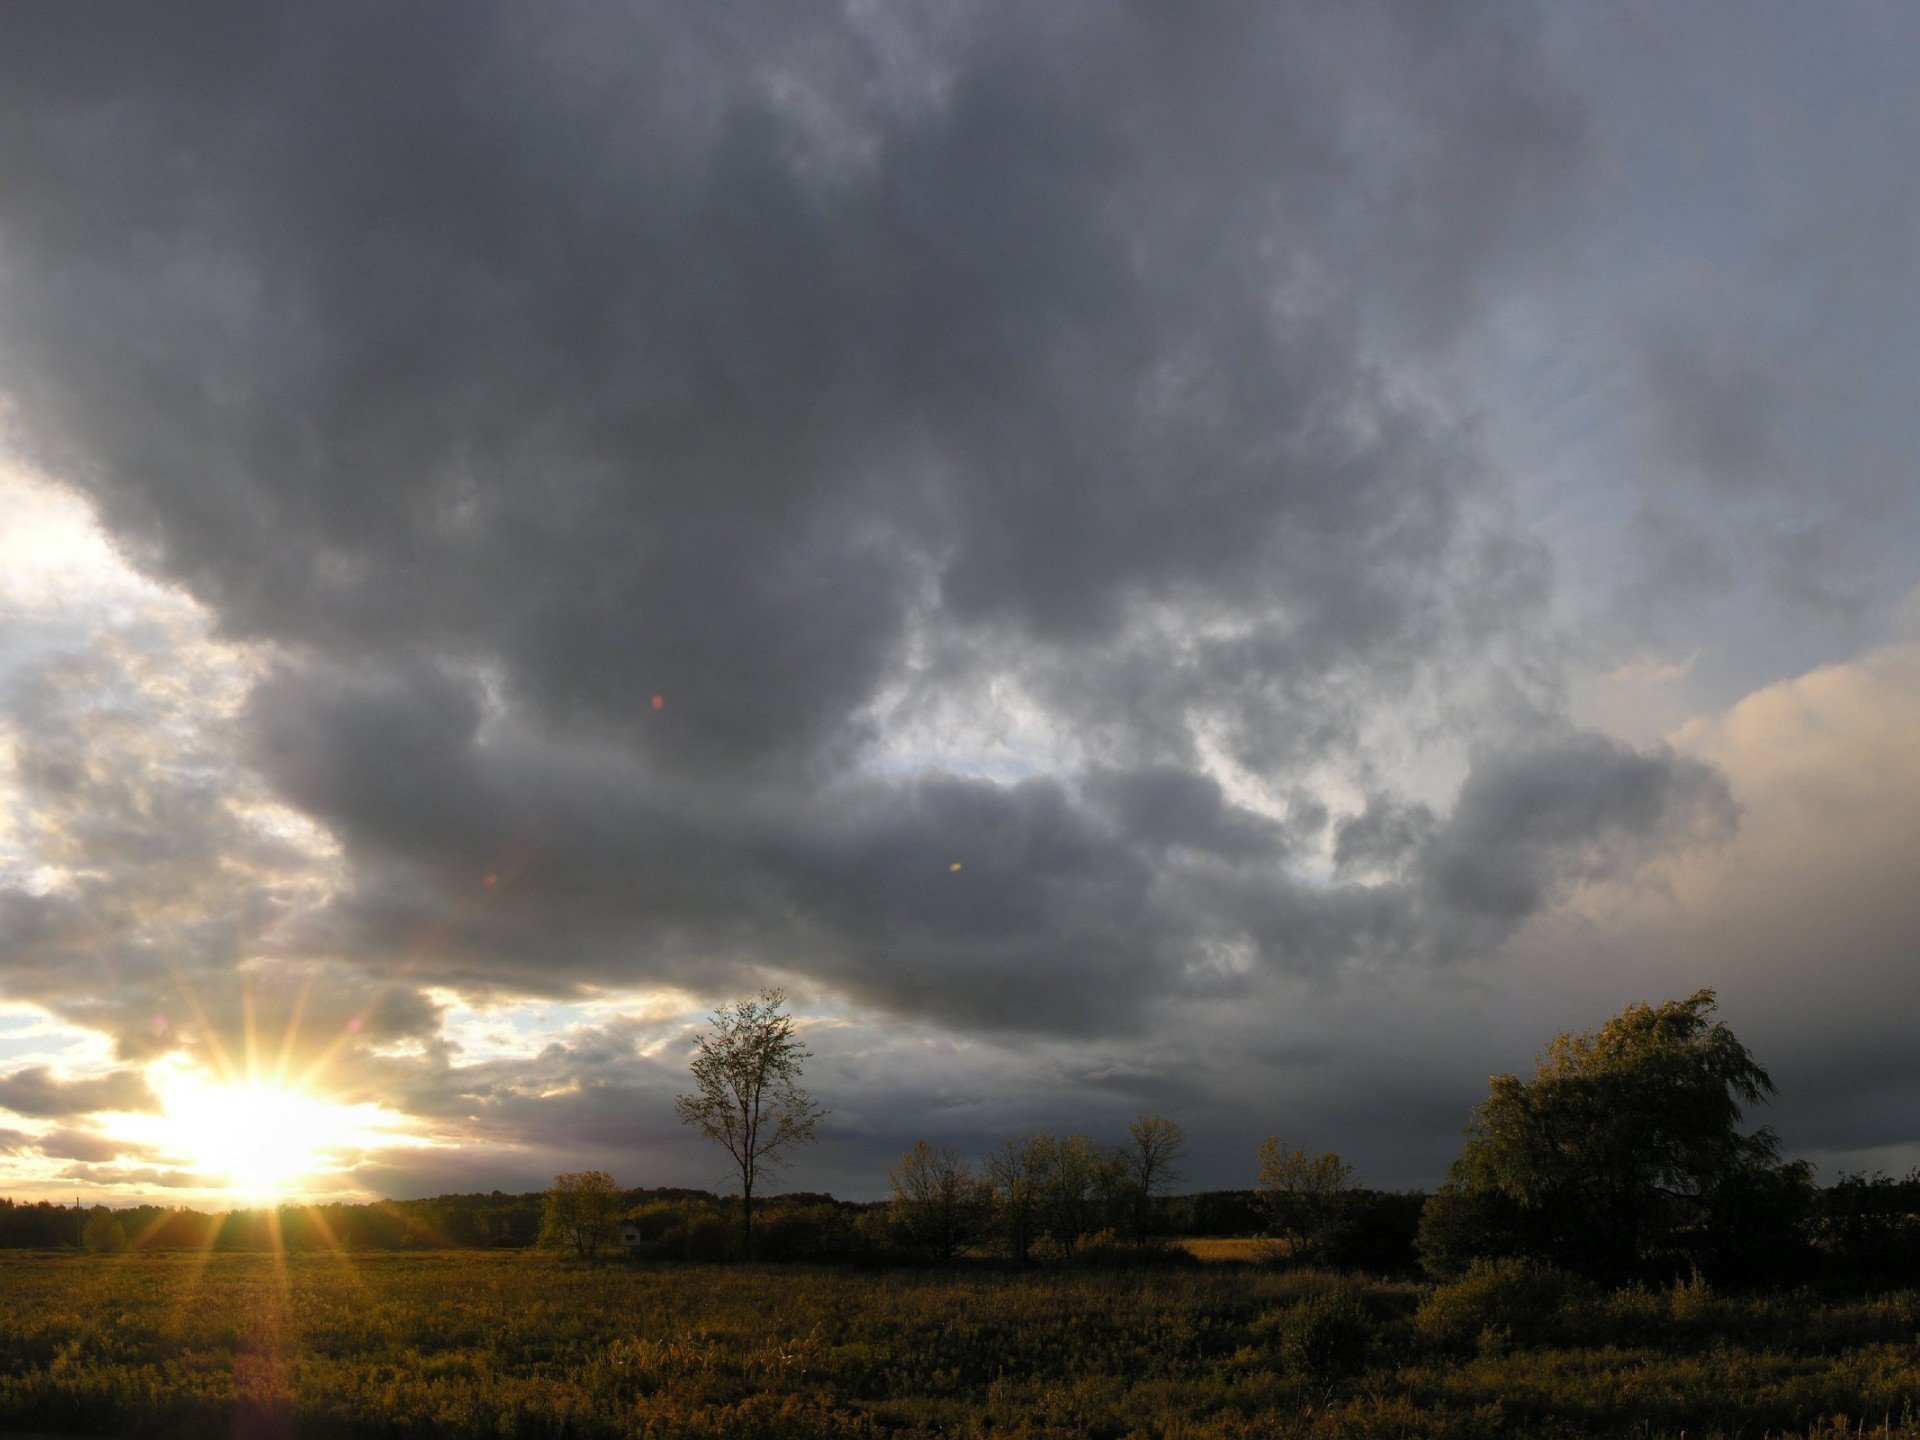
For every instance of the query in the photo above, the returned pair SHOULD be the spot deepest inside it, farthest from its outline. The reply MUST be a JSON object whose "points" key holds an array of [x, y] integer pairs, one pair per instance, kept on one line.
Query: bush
{"points": [[1326, 1338], [1497, 1303], [1459, 1226], [103, 1234]]}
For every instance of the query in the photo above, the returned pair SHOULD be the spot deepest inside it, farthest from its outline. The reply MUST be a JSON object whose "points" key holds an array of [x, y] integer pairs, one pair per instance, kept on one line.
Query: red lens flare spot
{"points": [[954, 869], [353, 1025], [490, 881], [659, 702]]}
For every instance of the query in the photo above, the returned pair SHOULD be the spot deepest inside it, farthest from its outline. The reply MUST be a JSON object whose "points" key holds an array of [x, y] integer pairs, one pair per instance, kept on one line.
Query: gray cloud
{"points": [[82, 1145], [37, 1092], [1023, 451], [887, 364], [625, 391], [1576, 805]]}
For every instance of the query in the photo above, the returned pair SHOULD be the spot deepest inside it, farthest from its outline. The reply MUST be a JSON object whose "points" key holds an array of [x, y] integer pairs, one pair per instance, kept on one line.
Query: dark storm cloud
{"points": [[827, 376], [989, 904], [37, 1092], [685, 366]]}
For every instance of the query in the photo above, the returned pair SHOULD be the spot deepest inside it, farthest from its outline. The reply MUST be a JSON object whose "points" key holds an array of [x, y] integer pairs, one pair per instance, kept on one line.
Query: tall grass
{"points": [[513, 1344]]}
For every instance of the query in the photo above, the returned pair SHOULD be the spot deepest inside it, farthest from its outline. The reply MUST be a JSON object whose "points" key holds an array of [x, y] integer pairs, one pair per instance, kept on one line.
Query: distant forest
{"points": [[1861, 1227], [502, 1221]]}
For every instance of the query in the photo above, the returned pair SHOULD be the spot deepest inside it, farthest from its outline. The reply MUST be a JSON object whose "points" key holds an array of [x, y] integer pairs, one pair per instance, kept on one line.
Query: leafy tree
{"points": [[748, 1099], [103, 1234], [1016, 1180], [582, 1211], [1059, 1187], [1075, 1177], [1303, 1195], [1622, 1154], [936, 1197], [1149, 1161]]}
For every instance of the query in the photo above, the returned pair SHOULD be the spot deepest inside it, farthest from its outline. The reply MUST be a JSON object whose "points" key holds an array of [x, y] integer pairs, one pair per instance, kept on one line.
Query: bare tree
{"points": [[1150, 1162], [582, 1210], [748, 1099]]}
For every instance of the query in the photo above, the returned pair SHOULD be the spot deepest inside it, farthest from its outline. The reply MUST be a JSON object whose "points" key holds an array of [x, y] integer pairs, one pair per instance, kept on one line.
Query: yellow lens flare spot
{"points": [[259, 1140]]}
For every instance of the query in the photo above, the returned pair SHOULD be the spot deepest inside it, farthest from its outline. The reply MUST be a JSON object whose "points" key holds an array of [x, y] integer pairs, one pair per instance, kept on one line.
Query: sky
{"points": [[1250, 563]]}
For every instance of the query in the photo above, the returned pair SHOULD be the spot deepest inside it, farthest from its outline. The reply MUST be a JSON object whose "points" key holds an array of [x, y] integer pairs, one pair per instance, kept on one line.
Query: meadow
{"points": [[505, 1344]]}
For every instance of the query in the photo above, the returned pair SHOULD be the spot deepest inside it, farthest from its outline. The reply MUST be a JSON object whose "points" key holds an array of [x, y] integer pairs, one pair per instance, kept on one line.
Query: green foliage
{"points": [[1622, 1156]]}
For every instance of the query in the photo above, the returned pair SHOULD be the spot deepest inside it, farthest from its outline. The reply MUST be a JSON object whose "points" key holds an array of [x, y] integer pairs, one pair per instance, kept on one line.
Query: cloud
{"points": [[1572, 807], [82, 1145], [38, 1093], [974, 512]]}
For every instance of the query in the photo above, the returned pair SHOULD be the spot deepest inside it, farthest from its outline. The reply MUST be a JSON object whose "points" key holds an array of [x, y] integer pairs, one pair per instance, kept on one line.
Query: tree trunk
{"points": [[746, 1220]]}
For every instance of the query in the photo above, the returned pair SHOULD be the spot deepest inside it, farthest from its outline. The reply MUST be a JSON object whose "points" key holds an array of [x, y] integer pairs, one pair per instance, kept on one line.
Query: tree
{"points": [[582, 1211], [1048, 1185], [1075, 1178], [1622, 1155], [748, 1099], [1015, 1178], [936, 1198], [1149, 1161], [1303, 1195], [103, 1233]]}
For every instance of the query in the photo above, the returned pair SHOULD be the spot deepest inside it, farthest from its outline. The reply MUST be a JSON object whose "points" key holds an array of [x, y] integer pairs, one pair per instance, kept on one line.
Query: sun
{"points": [[266, 1141]]}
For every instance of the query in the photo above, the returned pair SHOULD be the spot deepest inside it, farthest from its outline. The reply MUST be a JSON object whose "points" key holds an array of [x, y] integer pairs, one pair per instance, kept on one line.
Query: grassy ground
{"points": [[1244, 1250], [510, 1344]]}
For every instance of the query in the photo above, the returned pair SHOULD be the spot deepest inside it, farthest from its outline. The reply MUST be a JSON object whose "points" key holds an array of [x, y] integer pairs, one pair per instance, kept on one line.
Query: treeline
{"points": [[1620, 1160], [673, 1219], [445, 1222], [1863, 1227]]}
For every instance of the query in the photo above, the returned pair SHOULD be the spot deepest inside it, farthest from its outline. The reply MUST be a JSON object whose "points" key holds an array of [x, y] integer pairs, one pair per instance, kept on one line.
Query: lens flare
{"points": [[260, 1140]]}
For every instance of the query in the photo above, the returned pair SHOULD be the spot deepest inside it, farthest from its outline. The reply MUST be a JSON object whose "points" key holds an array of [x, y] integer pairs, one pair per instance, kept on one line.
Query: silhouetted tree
{"points": [[582, 1211], [1303, 1195], [1016, 1177], [748, 1099], [1148, 1162], [1622, 1154]]}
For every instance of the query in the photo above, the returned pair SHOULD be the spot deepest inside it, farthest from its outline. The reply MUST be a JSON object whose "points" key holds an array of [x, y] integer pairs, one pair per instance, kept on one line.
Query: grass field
{"points": [[523, 1344], [1233, 1248]]}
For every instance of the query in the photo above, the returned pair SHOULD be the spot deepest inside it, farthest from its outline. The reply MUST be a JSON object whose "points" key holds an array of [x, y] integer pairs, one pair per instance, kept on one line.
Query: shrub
{"points": [[1326, 1339], [103, 1234], [1497, 1302]]}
